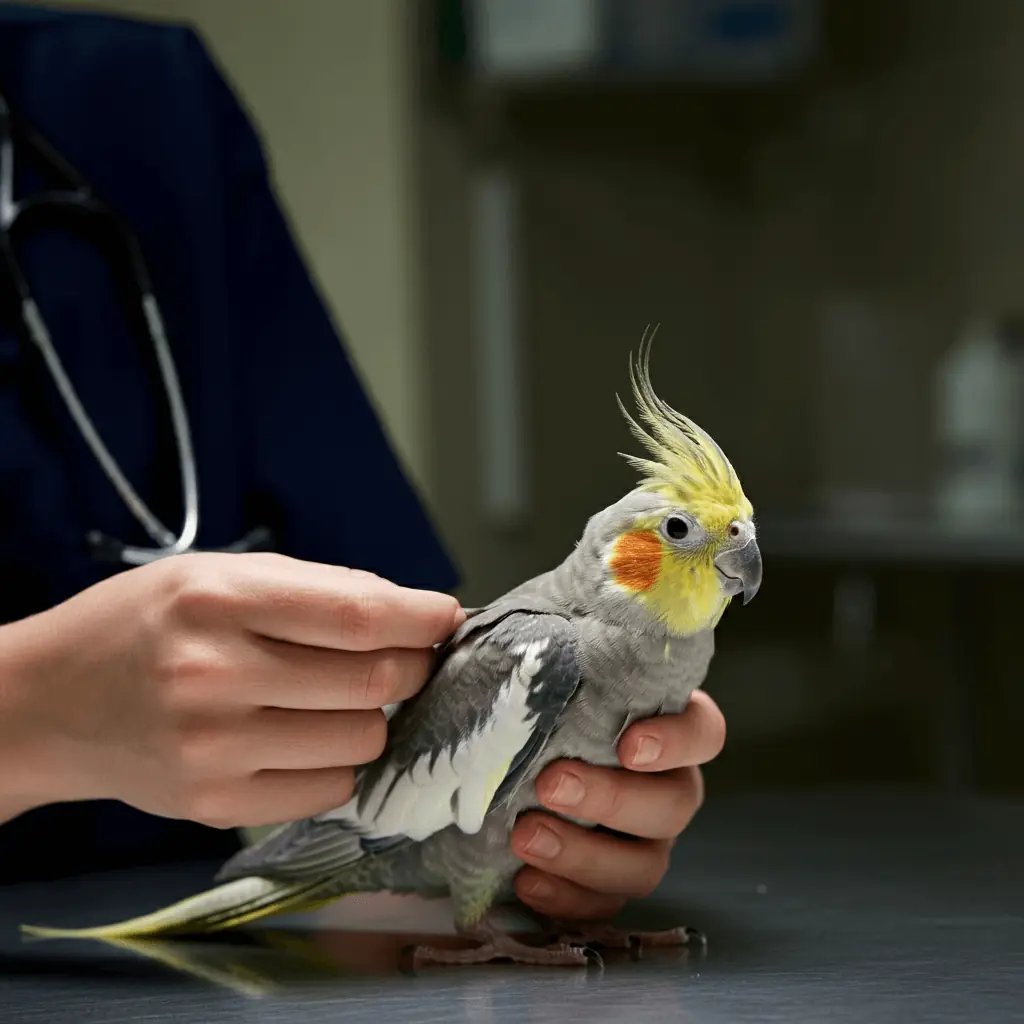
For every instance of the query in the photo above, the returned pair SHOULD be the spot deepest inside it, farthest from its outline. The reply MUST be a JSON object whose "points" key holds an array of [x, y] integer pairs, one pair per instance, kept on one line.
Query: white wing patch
{"points": [[458, 789]]}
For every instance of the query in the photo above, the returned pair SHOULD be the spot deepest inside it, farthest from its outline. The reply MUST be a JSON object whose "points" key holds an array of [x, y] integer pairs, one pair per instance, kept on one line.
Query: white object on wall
{"points": [[980, 426], [711, 40], [523, 37]]}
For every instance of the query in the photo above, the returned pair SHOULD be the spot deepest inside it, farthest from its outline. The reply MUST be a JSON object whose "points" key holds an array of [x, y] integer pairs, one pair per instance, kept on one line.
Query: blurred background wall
{"points": [[496, 203], [814, 242]]}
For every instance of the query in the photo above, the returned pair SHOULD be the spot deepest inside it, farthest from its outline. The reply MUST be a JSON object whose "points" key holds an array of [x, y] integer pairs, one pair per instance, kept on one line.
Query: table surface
{"points": [[867, 907]]}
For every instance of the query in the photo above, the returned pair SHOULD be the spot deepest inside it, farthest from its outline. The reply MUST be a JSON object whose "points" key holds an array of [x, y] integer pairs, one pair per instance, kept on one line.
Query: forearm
{"points": [[33, 771]]}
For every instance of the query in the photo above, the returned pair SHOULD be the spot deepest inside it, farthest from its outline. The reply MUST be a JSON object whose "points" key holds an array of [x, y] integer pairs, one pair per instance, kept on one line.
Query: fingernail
{"points": [[541, 889], [569, 792], [544, 844], [647, 752]]}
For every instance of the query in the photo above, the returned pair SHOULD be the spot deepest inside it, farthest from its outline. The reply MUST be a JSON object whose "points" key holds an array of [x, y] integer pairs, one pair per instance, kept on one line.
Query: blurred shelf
{"points": [[921, 541]]}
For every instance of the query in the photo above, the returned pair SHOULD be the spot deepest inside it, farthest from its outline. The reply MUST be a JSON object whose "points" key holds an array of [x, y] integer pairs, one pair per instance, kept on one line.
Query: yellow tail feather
{"points": [[226, 906]]}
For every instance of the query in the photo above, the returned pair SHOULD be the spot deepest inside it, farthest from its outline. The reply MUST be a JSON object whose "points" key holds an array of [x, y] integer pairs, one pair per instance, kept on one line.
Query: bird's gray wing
{"points": [[454, 750]]}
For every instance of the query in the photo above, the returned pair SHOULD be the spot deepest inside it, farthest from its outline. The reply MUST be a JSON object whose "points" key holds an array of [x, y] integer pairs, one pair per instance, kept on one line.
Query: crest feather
{"points": [[686, 461]]}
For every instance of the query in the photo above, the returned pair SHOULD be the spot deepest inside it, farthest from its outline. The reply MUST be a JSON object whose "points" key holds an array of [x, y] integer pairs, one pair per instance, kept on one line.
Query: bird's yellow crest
{"points": [[690, 471], [687, 465]]}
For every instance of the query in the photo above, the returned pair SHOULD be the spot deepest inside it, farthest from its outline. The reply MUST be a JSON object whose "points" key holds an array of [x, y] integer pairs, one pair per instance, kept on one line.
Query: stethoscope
{"points": [[73, 198]]}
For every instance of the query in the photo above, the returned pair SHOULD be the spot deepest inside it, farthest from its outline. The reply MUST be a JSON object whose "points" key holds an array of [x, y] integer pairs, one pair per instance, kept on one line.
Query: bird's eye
{"points": [[677, 528]]}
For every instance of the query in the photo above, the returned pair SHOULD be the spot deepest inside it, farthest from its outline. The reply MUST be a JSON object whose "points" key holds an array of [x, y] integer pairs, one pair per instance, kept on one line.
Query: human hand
{"points": [[575, 873], [230, 689]]}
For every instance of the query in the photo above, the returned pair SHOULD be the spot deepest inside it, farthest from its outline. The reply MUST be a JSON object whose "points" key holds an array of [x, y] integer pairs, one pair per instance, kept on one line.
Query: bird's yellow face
{"points": [[686, 563], [692, 546]]}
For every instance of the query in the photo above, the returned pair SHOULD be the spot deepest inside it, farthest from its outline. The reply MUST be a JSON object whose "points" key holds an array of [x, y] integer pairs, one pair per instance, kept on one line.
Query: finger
{"points": [[312, 678], [330, 606], [650, 806], [558, 898], [591, 859], [302, 740], [274, 738], [675, 741], [275, 797], [362, 617]]}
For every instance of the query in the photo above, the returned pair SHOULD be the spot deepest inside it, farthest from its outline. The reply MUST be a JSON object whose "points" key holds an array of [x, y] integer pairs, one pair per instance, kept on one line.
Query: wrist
{"points": [[35, 766]]}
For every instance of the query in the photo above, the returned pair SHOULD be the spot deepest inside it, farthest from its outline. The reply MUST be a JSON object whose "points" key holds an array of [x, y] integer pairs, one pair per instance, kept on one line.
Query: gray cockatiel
{"points": [[557, 668]]}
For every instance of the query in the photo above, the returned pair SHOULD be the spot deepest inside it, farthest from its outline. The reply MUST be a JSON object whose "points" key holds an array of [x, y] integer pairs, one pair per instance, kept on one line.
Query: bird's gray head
{"points": [[653, 554], [683, 543]]}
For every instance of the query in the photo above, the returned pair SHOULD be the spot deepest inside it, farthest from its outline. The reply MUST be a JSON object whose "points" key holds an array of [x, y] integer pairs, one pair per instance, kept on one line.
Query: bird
{"points": [[558, 667]]}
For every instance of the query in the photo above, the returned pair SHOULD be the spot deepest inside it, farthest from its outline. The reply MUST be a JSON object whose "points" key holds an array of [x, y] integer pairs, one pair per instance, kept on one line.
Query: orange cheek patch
{"points": [[636, 560]]}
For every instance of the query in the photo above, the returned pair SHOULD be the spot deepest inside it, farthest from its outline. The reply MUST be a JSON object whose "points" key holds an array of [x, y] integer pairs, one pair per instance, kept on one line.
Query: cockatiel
{"points": [[559, 667]]}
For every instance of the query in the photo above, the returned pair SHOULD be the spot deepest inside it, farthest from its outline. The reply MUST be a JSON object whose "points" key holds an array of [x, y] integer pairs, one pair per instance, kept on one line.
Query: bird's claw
{"points": [[622, 938]]}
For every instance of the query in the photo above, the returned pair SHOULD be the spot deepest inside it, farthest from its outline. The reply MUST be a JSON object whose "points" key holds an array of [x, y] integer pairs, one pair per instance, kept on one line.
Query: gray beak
{"points": [[740, 570]]}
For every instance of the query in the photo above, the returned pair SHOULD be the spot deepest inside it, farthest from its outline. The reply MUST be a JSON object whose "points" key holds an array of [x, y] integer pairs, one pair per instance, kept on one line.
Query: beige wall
{"points": [[326, 83]]}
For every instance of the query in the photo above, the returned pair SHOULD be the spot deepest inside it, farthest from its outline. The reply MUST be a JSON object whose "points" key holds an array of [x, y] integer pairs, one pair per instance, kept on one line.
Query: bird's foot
{"points": [[623, 938], [498, 946]]}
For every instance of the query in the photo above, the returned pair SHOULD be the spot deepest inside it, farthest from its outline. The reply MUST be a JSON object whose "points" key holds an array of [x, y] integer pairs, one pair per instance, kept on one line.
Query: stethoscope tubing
{"points": [[81, 198]]}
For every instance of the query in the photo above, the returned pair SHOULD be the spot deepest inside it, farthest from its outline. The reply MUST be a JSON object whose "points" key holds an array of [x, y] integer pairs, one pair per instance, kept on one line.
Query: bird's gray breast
{"points": [[626, 677]]}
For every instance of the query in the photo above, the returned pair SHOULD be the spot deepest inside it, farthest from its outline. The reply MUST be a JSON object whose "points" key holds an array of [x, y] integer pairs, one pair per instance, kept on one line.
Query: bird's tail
{"points": [[225, 906]]}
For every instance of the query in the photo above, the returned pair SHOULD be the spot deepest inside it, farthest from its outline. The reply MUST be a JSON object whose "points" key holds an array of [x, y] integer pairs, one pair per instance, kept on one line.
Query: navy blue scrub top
{"points": [[284, 434]]}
